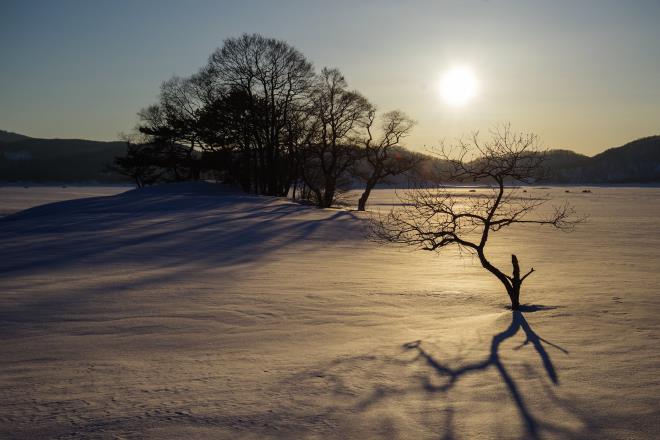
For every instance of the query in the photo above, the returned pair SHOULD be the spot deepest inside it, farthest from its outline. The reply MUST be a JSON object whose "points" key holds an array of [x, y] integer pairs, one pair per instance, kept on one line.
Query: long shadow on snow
{"points": [[534, 425], [170, 234], [210, 229]]}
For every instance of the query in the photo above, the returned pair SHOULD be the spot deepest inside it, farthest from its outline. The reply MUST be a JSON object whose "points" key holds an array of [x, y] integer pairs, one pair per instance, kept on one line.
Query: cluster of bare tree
{"points": [[259, 116]]}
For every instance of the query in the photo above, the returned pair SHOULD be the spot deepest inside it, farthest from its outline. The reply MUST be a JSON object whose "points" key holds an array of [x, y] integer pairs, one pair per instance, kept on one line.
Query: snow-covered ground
{"points": [[189, 311], [15, 198]]}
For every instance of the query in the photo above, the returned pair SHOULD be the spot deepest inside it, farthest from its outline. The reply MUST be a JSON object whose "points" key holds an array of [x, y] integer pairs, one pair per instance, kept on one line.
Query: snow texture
{"points": [[192, 311]]}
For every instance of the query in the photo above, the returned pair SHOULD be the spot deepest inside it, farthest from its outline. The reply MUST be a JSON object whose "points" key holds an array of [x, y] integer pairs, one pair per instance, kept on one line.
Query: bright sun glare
{"points": [[458, 86]]}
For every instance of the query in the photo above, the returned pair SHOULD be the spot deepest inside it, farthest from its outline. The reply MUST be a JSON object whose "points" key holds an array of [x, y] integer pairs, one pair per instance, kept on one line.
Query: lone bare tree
{"points": [[433, 218], [383, 154]]}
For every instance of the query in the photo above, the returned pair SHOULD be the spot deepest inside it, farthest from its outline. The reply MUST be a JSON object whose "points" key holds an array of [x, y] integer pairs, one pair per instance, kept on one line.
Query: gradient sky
{"points": [[584, 75]]}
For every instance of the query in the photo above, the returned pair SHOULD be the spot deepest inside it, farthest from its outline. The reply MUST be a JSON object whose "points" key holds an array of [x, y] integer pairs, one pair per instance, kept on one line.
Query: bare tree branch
{"points": [[434, 218]]}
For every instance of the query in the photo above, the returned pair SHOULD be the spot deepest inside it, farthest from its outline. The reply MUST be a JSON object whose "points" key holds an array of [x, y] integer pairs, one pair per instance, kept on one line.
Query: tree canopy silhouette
{"points": [[383, 154], [337, 114], [257, 115]]}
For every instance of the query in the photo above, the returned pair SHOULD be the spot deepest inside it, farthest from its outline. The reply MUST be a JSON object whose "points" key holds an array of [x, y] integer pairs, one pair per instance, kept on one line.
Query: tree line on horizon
{"points": [[259, 116], [27, 160]]}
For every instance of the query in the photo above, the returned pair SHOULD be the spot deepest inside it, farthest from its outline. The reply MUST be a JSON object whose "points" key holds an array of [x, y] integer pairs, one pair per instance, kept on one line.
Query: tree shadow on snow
{"points": [[445, 377], [166, 229], [533, 425], [159, 234]]}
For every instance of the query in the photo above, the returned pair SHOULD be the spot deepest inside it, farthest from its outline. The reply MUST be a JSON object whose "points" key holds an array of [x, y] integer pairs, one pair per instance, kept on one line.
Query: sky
{"points": [[584, 75]]}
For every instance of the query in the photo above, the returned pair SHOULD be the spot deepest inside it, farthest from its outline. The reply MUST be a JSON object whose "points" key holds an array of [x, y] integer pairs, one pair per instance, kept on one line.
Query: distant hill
{"points": [[635, 162], [25, 159], [8, 136]]}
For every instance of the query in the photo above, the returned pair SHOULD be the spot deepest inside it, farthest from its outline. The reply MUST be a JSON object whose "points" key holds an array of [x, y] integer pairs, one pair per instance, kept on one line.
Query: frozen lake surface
{"points": [[192, 311]]}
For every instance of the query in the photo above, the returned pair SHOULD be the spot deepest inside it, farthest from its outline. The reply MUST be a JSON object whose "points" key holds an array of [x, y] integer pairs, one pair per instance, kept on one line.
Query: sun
{"points": [[458, 86]]}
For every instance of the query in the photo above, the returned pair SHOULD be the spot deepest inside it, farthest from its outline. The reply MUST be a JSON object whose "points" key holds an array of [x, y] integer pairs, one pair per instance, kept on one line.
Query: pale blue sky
{"points": [[584, 75]]}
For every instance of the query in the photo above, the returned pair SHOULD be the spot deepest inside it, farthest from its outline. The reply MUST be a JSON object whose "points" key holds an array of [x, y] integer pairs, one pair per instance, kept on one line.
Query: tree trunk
{"points": [[294, 190], [362, 203], [328, 196], [514, 296], [319, 197], [512, 284], [516, 282]]}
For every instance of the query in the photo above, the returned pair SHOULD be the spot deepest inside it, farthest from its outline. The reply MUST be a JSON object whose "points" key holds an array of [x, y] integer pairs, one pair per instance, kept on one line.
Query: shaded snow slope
{"points": [[194, 311], [17, 198]]}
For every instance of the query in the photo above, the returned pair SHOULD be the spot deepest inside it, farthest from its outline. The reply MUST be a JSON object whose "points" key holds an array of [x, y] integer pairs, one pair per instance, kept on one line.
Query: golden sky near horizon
{"points": [[583, 75]]}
